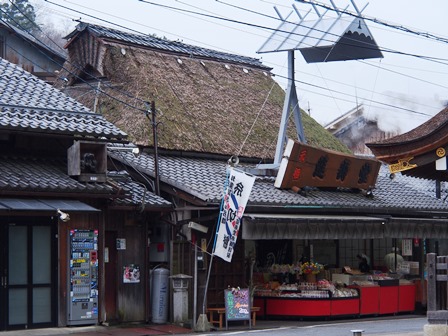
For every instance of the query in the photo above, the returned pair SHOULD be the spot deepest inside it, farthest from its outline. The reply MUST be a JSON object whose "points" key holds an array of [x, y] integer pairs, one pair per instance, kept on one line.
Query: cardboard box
{"points": [[348, 279]]}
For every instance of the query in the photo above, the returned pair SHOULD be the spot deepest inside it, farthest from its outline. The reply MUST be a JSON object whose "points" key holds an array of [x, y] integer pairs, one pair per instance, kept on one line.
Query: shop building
{"points": [[282, 226], [61, 209]]}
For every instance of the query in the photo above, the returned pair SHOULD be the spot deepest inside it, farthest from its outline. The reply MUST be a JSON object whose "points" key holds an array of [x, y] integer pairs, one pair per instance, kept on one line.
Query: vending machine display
{"points": [[83, 277]]}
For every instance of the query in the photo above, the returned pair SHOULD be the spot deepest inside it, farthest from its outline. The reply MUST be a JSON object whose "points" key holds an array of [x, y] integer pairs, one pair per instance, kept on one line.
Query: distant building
{"points": [[31, 54], [355, 129]]}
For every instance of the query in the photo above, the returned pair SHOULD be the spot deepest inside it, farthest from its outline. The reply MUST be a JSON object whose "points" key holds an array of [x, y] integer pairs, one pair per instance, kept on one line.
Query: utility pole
{"points": [[153, 122]]}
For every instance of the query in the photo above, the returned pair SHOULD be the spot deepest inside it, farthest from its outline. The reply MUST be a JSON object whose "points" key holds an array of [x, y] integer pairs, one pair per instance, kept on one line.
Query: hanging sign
{"points": [[236, 195], [307, 166], [406, 247]]}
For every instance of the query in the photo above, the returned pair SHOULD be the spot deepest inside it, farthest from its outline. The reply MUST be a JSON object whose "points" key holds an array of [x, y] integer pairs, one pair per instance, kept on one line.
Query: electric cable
{"points": [[180, 9], [283, 77], [397, 27], [62, 66]]}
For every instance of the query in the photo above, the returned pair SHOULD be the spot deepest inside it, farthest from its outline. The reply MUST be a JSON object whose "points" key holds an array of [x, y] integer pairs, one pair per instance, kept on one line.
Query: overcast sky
{"points": [[388, 87]]}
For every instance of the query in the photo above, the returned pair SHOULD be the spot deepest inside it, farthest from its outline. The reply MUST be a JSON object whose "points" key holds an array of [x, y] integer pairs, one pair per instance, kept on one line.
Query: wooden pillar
{"points": [[431, 264]]}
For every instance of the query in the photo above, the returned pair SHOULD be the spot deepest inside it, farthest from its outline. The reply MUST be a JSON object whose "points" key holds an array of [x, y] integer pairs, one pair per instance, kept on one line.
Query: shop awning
{"points": [[20, 204], [278, 226], [290, 226], [417, 228]]}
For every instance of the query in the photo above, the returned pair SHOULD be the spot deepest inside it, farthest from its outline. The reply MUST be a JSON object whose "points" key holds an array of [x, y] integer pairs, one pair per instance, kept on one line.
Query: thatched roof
{"points": [[204, 104]]}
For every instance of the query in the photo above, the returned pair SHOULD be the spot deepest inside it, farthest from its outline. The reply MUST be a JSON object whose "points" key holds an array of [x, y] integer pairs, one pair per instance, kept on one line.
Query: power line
{"points": [[397, 27], [224, 19], [61, 65]]}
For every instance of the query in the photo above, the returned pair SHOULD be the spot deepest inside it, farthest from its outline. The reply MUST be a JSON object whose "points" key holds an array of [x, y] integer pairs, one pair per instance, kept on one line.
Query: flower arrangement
{"points": [[312, 268]]}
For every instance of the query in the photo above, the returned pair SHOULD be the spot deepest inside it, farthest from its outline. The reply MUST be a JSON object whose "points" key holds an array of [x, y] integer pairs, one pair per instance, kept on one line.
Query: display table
{"points": [[372, 300], [278, 306], [406, 298], [388, 300], [369, 303]]}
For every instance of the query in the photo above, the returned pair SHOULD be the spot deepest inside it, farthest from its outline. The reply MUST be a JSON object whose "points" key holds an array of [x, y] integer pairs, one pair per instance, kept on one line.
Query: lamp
{"points": [[63, 216]]}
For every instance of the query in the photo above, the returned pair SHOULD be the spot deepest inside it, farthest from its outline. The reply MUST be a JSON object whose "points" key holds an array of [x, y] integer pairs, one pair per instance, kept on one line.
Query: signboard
{"points": [[307, 166], [406, 247], [237, 303], [234, 202]]}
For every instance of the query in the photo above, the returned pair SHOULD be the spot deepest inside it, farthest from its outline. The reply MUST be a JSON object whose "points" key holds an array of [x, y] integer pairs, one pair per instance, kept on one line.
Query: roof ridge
{"points": [[165, 44]]}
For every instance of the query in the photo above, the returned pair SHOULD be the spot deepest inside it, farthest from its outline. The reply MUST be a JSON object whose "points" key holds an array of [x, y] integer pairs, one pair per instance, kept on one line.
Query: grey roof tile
{"points": [[137, 192], [205, 179], [21, 173], [44, 175], [29, 104]]}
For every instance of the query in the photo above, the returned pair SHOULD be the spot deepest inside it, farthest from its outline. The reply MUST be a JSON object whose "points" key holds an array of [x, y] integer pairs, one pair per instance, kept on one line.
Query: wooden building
{"points": [[206, 100], [26, 50], [56, 182]]}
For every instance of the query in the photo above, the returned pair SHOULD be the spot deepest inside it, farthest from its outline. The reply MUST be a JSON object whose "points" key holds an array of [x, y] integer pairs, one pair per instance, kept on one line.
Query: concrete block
{"points": [[203, 325], [435, 330]]}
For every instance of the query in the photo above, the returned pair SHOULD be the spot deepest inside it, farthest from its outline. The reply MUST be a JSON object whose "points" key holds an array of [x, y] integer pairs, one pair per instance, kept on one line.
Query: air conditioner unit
{"points": [[87, 161]]}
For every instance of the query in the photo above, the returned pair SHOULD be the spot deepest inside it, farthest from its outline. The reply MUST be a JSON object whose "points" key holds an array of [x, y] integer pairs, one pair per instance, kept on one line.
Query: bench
{"points": [[219, 313]]}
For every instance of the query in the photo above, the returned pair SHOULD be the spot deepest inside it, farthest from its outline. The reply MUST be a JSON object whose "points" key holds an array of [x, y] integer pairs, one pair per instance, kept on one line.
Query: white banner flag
{"points": [[236, 195]]}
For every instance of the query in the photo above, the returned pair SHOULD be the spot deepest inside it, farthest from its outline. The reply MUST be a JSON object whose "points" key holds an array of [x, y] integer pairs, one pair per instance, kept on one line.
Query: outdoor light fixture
{"points": [[198, 227], [63, 216]]}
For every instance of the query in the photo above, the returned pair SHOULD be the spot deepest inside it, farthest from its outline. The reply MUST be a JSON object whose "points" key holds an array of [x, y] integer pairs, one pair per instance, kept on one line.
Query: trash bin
{"points": [[159, 295], [180, 297]]}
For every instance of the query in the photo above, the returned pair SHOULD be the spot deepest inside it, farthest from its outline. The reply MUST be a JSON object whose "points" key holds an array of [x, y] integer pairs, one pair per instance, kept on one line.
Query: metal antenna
{"points": [[325, 39]]}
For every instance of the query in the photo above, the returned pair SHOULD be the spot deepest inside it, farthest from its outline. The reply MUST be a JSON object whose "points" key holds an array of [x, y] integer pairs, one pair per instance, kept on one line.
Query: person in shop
{"points": [[390, 258], [364, 265]]}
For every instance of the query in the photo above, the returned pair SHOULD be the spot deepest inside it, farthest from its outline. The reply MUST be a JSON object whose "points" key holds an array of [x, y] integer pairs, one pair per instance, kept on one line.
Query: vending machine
{"points": [[83, 277]]}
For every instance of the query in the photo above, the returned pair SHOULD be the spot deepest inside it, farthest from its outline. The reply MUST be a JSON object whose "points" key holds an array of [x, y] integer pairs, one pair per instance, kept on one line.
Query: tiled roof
{"points": [[205, 179], [166, 45], [20, 174], [435, 124], [32, 174], [137, 193], [29, 104]]}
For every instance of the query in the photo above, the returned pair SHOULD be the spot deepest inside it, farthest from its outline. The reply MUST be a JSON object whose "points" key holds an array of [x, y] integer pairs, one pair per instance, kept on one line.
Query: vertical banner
{"points": [[236, 195]]}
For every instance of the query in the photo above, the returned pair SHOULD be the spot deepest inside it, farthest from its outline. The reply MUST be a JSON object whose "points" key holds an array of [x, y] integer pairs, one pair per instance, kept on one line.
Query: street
{"points": [[396, 325], [401, 325]]}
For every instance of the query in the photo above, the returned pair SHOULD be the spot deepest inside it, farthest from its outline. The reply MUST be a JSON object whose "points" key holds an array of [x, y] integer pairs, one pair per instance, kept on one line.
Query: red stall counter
{"points": [[298, 307], [369, 302], [406, 297], [344, 306], [388, 300]]}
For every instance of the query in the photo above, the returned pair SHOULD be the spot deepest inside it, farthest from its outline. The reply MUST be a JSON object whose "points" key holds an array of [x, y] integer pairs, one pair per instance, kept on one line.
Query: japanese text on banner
{"points": [[234, 203]]}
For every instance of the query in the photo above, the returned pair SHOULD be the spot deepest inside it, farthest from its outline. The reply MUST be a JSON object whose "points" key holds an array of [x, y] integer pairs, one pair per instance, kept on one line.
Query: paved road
{"points": [[394, 326], [405, 325]]}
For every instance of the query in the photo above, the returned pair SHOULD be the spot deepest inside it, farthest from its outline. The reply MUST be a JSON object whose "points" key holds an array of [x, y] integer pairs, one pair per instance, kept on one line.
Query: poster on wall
{"points": [[237, 302], [131, 274], [406, 247]]}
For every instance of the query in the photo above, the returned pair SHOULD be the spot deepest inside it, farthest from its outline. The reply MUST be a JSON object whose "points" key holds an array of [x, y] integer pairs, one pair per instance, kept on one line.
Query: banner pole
{"points": [[200, 326], [206, 284]]}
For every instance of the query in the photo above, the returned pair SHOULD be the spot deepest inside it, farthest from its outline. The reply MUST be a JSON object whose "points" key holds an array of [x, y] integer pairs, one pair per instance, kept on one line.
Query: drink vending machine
{"points": [[83, 277]]}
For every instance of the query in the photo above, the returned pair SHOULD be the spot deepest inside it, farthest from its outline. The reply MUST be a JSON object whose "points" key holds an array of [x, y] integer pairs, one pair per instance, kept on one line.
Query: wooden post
{"points": [[432, 295]]}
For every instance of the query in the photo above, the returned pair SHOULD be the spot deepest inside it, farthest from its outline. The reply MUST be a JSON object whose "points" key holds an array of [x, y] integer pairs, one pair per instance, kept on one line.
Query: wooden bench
{"points": [[221, 311]]}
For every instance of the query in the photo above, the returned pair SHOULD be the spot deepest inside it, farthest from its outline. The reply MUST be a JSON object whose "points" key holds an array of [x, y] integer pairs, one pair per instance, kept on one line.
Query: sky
{"points": [[402, 90]]}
